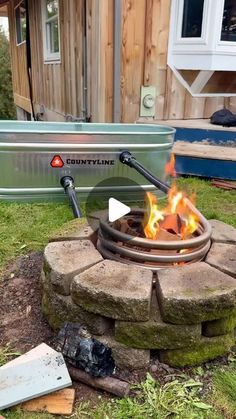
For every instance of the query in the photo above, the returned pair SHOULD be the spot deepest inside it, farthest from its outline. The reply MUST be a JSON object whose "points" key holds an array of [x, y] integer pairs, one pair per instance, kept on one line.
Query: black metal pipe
{"points": [[67, 183], [127, 158]]}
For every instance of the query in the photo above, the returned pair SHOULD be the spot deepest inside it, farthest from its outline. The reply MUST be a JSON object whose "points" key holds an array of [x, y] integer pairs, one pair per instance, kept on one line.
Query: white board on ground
{"points": [[34, 353], [34, 378]]}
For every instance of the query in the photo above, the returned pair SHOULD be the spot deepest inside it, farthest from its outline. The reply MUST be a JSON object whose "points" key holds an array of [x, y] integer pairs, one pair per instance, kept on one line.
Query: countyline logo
{"points": [[91, 162], [58, 162]]}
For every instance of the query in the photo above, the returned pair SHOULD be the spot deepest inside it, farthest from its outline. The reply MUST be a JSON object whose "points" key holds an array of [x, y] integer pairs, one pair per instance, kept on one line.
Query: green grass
{"points": [[178, 399], [27, 227], [6, 354], [224, 394], [212, 202]]}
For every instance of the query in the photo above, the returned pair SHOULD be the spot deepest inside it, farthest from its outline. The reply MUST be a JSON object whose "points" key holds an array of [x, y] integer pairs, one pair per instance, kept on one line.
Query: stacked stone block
{"points": [[187, 313]]}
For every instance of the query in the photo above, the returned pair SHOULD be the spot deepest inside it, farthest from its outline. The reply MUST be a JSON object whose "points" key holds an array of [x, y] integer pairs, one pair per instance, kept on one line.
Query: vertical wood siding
{"points": [[59, 86], [144, 62], [18, 61]]}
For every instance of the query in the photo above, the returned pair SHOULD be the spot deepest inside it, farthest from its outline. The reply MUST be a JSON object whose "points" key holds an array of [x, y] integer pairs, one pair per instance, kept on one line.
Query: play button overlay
{"points": [[117, 210], [113, 198]]}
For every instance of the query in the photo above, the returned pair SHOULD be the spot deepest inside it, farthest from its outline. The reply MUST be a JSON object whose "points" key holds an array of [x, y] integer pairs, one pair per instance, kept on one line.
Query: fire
{"points": [[152, 226], [177, 205], [170, 166]]}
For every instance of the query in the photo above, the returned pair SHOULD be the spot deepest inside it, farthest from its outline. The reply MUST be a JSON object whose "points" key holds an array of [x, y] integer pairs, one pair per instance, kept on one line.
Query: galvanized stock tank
{"points": [[87, 152]]}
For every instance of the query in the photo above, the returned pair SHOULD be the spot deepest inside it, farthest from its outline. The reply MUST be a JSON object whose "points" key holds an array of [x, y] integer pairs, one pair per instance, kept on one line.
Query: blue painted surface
{"points": [[208, 168], [211, 136]]}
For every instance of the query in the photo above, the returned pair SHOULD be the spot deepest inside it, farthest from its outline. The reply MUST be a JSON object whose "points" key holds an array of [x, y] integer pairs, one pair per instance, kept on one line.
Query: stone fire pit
{"points": [[186, 314]]}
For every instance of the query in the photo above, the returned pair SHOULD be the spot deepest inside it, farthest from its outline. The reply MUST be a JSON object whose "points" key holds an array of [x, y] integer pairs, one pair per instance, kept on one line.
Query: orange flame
{"points": [[170, 166], [177, 205], [151, 228]]}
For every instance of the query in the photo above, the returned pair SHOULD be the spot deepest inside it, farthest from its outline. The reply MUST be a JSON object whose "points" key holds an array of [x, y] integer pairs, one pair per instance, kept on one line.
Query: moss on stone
{"points": [[151, 335], [178, 312], [59, 309], [155, 334], [54, 320], [208, 349], [199, 293], [219, 327]]}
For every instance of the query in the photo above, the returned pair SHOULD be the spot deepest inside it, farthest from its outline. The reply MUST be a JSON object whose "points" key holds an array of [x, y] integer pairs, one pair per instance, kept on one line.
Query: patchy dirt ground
{"points": [[23, 326], [22, 323]]}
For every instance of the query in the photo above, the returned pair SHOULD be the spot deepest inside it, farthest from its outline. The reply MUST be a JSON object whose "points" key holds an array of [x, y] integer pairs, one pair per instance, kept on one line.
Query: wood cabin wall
{"points": [[18, 62], [58, 86], [145, 33]]}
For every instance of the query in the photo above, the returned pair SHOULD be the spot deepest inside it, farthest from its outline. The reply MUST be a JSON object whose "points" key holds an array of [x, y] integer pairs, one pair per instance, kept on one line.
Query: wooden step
{"points": [[202, 151]]}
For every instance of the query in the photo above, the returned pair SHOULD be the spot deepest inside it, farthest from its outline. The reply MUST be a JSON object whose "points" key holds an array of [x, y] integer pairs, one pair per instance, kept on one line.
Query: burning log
{"points": [[108, 384]]}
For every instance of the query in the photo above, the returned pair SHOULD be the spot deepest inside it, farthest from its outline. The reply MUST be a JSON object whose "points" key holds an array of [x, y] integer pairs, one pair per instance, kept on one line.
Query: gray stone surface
{"points": [[207, 349], [195, 293], [59, 308], [222, 232], [99, 215], [125, 357], [77, 229], [155, 334], [63, 260], [114, 290], [223, 257], [219, 327]]}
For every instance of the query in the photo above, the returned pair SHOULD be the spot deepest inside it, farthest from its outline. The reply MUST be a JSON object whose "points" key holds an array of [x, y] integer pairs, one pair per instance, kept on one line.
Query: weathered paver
{"points": [[63, 260], [222, 232], [206, 350], [59, 309], [155, 334], [219, 327], [195, 293], [114, 290], [125, 357], [77, 229], [223, 257]]}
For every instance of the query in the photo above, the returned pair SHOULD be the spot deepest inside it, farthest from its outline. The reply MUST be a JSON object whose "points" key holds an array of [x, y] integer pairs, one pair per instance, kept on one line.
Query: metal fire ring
{"points": [[195, 242], [138, 255]]}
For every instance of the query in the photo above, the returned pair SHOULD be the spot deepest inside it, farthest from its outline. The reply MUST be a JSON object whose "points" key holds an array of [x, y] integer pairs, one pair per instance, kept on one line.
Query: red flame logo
{"points": [[57, 162]]}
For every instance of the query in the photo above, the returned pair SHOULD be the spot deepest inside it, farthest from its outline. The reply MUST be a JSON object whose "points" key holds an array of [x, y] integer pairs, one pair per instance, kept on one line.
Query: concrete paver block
{"points": [[195, 293], [155, 334], [223, 257], [114, 290], [222, 232], [63, 260]]}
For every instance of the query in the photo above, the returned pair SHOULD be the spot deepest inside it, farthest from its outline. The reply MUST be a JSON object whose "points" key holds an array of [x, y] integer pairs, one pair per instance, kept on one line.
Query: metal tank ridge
{"points": [[34, 156]]}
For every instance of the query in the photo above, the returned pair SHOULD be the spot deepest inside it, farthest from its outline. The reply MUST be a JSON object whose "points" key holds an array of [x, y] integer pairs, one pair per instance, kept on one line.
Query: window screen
{"points": [[228, 32], [192, 18], [20, 13]]}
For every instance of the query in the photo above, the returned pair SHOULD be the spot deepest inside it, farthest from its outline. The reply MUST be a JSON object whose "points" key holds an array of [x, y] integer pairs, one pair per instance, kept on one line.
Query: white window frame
{"points": [[180, 16], [207, 53], [228, 46], [15, 8], [49, 56]]}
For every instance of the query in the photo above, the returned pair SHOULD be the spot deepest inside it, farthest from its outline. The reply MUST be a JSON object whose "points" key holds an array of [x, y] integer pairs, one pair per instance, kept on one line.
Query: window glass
{"points": [[53, 36], [20, 13], [51, 21], [192, 18], [228, 32], [52, 8]]}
